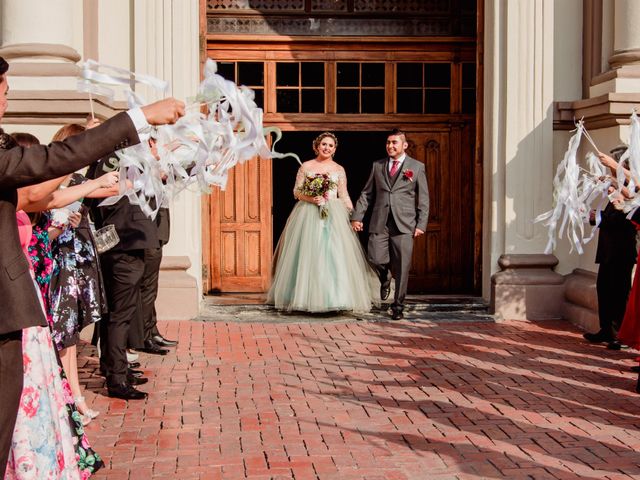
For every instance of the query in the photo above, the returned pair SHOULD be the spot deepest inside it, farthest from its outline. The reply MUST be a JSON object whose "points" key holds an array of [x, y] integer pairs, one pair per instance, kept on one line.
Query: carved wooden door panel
{"points": [[241, 245], [443, 257]]}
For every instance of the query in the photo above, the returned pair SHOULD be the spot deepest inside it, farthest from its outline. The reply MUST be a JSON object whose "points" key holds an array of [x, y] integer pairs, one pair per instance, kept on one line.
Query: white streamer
{"points": [[198, 149]]}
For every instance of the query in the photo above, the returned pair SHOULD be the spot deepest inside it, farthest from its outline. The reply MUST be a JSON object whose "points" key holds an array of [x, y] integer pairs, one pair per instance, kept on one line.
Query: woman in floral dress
{"points": [[40, 447], [76, 291], [48, 439]]}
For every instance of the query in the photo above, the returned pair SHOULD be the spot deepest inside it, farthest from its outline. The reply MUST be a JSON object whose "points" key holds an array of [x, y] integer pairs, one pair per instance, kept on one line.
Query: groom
{"points": [[398, 186]]}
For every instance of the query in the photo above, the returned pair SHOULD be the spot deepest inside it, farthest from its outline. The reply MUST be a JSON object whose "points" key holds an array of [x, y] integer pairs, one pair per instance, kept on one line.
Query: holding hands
{"points": [[356, 226]]}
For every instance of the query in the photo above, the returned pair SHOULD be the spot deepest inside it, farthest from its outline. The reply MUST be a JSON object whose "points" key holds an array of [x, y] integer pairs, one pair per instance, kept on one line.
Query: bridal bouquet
{"points": [[318, 185]]}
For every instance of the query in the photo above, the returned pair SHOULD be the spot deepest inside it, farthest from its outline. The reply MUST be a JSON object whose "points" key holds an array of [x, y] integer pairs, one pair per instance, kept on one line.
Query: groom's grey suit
{"points": [[400, 205]]}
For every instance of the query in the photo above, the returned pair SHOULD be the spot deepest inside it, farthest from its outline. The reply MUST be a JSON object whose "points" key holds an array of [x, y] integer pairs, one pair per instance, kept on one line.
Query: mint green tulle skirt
{"points": [[319, 264]]}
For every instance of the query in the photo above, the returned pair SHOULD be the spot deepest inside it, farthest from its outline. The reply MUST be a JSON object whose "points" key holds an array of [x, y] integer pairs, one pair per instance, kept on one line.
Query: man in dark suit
{"points": [[616, 255], [398, 184], [20, 167], [123, 269], [153, 340]]}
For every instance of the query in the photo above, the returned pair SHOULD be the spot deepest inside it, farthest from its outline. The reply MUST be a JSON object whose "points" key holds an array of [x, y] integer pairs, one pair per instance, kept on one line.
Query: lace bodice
{"points": [[338, 175]]}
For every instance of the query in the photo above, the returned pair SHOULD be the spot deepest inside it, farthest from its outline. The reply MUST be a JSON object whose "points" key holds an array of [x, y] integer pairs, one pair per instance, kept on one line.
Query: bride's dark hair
{"points": [[318, 139]]}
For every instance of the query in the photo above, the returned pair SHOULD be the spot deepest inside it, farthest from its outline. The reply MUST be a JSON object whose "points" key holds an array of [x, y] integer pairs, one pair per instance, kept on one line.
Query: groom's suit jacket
{"points": [[20, 167], [406, 199]]}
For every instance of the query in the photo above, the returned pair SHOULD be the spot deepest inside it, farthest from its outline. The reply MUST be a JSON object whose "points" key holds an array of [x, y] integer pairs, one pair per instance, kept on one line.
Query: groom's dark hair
{"points": [[397, 132]]}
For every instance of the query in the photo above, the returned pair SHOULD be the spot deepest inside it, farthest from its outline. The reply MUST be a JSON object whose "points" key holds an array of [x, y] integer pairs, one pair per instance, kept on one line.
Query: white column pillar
{"points": [[166, 45], [33, 21], [518, 151], [518, 123], [38, 40], [626, 41]]}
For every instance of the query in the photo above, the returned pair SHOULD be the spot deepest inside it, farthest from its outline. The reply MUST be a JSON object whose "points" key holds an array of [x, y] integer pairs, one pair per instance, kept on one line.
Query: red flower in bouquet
{"points": [[408, 174]]}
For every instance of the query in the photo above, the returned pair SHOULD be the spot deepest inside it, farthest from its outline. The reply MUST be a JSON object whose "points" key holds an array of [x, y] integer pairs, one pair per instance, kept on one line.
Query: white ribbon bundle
{"points": [[577, 191], [566, 198], [198, 149]]}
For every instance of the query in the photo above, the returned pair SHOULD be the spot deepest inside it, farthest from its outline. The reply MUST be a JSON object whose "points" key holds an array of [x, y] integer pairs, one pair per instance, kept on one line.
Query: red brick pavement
{"points": [[374, 401]]}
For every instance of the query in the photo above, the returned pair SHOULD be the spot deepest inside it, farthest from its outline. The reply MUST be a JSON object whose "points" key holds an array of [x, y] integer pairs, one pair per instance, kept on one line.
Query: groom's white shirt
{"points": [[391, 160]]}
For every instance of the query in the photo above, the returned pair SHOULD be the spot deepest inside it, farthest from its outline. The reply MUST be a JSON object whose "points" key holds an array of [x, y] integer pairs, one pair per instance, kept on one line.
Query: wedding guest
{"points": [[123, 268], [48, 439], [616, 255], [319, 265], [22, 167], [397, 191], [76, 292], [146, 330]]}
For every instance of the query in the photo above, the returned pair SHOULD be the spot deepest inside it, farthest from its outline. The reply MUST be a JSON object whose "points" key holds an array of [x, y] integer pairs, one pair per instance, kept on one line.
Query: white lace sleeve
{"points": [[299, 181], [343, 193]]}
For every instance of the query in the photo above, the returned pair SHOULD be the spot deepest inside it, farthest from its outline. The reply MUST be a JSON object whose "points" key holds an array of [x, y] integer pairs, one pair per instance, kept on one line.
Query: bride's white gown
{"points": [[319, 264]]}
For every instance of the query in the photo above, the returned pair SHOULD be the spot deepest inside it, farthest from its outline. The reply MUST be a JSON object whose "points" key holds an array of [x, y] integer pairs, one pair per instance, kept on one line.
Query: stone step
{"points": [[434, 309]]}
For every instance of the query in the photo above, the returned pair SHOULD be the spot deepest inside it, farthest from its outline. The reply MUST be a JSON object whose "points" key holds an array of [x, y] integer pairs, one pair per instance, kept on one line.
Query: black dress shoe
{"points": [[151, 347], [385, 290], [163, 342], [134, 364], [397, 315], [615, 345], [133, 380], [598, 337], [125, 391], [134, 373]]}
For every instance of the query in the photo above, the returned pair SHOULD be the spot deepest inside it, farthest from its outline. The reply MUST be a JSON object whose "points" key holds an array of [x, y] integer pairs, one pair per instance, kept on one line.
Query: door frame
{"points": [[296, 48]]}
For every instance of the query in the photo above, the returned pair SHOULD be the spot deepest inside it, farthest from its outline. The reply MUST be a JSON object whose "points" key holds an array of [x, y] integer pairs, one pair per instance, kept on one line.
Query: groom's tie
{"points": [[394, 168]]}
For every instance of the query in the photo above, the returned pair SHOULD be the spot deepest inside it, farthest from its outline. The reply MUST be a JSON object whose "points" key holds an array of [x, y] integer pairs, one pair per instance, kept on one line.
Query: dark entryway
{"points": [[356, 151]]}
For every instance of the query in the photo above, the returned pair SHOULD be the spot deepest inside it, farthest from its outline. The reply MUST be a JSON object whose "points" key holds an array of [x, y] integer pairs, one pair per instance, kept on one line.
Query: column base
{"points": [[580, 305], [527, 288], [177, 291]]}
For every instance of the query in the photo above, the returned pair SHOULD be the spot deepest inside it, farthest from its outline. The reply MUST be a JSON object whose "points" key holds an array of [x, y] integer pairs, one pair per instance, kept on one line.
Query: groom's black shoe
{"points": [[397, 315], [385, 290]]}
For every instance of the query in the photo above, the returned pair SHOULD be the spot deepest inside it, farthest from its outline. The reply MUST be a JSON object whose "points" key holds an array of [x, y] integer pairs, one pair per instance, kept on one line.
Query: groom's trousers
{"points": [[392, 250]]}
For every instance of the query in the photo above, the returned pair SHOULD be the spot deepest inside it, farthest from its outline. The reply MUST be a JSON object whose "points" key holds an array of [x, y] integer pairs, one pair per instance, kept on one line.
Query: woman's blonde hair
{"points": [[318, 139]]}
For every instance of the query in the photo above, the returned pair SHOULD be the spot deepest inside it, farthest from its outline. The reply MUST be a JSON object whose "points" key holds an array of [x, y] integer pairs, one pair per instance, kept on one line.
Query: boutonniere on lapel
{"points": [[407, 174]]}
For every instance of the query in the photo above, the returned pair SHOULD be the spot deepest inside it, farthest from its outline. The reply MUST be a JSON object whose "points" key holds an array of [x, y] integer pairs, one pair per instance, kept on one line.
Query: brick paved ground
{"points": [[373, 400]]}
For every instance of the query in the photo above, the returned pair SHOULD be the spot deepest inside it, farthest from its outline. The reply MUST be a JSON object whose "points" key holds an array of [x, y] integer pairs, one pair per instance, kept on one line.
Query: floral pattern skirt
{"points": [[48, 439]]}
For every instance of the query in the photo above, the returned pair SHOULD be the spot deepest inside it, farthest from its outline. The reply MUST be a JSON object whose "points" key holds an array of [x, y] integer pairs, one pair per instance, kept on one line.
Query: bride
{"points": [[319, 264]]}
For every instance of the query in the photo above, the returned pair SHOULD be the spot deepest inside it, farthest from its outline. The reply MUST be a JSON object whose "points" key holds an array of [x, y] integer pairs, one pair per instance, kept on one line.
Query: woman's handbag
{"points": [[106, 238]]}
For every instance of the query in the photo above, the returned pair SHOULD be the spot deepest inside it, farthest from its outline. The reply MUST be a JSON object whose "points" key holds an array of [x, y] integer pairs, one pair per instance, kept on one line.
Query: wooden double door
{"points": [[359, 92], [247, 218]]}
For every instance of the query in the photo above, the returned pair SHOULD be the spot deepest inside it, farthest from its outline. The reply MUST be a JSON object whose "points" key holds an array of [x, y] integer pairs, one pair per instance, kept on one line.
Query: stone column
{"points": [[626, 42], [166, 45], [37, 39], [519, 152], [33, 21]]}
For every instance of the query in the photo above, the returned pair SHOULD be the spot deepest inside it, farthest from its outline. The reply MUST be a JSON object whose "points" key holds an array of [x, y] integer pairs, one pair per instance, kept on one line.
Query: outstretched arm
{"points": [[20, 166], [63, 197]]}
